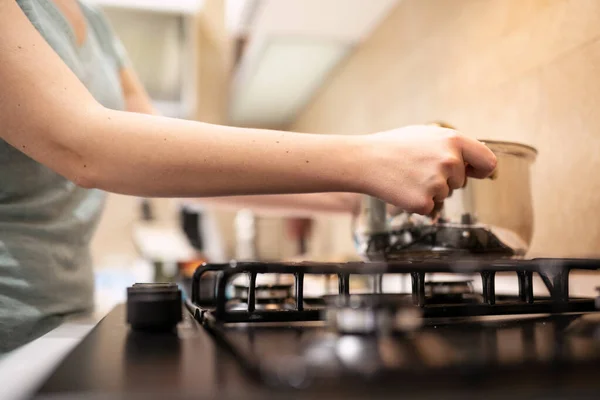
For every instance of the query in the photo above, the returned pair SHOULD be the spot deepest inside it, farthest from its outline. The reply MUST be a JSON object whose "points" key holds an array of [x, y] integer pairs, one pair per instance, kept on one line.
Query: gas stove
{"points": [[439, 338], [439, 329]]}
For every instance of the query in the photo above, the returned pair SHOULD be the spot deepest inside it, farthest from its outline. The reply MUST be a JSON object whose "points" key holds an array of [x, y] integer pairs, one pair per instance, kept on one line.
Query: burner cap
{"points": [[266, 293], [448, 288], [368, 300]]}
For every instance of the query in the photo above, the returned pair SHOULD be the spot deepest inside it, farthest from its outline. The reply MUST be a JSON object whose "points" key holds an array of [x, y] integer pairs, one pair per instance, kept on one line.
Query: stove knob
{"points": [[154, 306]]}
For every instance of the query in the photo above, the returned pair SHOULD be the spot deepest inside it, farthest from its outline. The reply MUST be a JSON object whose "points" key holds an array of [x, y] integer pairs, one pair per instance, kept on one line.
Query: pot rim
{"points": [[512, 148]]}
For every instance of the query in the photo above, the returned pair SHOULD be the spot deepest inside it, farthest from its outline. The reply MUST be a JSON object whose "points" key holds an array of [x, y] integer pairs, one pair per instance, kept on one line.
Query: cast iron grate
{"points": [[553, 272]]}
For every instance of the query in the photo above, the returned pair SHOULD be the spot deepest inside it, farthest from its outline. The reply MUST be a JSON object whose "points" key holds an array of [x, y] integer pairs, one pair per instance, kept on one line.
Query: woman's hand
{"points": [[413, 169], [417, 167]]}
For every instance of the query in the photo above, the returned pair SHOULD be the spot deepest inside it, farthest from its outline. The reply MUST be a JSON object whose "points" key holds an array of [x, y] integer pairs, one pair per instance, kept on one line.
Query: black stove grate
{"points": [[553, 272]]}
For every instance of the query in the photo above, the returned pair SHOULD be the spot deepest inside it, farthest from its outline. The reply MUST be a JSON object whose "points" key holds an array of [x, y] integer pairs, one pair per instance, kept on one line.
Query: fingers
{"points": [[455, 173], [440, 192], [480, 159], [474, 173], [437, 207]]}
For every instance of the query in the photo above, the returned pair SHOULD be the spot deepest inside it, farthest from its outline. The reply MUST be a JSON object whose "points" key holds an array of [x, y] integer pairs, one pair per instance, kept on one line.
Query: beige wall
{"points": [[521, 70]]}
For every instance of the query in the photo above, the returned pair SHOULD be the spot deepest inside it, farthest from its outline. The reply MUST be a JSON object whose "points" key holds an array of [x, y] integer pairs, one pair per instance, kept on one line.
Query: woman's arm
{"points": [[49, 115], [301, 204]]}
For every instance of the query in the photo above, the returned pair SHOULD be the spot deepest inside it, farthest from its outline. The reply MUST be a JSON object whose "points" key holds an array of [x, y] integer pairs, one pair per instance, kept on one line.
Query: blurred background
{"points": [[518, 70]]}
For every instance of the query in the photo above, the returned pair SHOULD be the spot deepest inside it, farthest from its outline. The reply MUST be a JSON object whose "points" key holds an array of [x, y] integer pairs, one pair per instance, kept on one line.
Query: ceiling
{"points": [[291, 48], [286, 49]]}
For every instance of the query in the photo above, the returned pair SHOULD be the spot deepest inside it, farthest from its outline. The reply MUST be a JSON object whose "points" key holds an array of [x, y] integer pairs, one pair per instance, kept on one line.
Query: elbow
{"points": [[72, 163], [84, 180], [81, 175], [75, 152]]}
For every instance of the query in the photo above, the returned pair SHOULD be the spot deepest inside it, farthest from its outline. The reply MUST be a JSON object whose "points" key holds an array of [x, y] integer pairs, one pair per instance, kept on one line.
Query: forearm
{"points": [[154, 156], [305, 204], [290, 205], [47, 113]]}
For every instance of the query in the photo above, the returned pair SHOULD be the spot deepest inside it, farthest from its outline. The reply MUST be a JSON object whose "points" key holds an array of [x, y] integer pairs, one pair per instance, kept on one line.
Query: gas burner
{"points": [[451, 292], [265, 294], [442, 241], [366, 314], [267, 297], [448, 288]]}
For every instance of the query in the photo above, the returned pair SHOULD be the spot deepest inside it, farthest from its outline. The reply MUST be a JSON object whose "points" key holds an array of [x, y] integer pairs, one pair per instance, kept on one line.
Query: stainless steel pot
{"points": [[491, 217]]}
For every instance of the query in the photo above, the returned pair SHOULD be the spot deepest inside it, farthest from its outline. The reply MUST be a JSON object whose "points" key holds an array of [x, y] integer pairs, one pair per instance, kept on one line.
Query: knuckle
{"points": [[452, 140], [452, 136], [450, 161]]}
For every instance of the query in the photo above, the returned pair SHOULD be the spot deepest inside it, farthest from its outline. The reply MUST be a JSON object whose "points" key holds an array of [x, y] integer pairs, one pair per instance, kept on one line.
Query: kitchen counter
{"points": [[23, 370], [111, 361], [116, 362]]}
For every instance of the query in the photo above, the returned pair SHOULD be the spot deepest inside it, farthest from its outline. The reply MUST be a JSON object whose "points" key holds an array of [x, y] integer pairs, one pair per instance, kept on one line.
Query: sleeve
{"points": [[109, 41]]}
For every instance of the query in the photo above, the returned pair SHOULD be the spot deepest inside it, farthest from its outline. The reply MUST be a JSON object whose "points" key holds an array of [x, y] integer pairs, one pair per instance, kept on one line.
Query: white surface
{"points": [[237, 15], [23, 370], [245, 235], [285, 78], [290, 23], [173, 6], [345, 20], [166, 244], [170, 245]]}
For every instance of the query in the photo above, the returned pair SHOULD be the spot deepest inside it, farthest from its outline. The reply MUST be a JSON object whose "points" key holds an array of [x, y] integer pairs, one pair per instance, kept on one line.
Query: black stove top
{"points": [[442, 338]]}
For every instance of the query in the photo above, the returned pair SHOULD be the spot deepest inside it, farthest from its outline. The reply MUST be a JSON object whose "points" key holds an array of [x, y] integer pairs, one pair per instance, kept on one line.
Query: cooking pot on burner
{"points": [[488, 217]]}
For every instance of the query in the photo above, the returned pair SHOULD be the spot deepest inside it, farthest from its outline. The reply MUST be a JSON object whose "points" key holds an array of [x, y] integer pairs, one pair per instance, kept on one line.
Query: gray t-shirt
{"points": [[46, 222]]}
